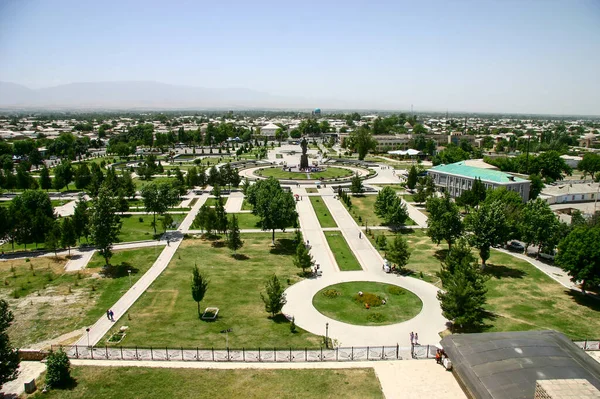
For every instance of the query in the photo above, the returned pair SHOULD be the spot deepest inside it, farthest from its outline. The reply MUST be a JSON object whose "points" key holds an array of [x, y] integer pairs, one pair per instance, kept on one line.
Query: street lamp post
{"points": [[327, 335], [87, 330], [129, 272]]}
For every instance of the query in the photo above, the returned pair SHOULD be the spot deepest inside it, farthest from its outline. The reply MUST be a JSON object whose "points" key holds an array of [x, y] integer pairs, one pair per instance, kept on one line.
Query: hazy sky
{"points": [[502, 56]]}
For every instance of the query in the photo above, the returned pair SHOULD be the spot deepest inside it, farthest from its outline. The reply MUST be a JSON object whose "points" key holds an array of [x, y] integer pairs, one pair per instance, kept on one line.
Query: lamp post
{"points": [[129, 272], [87, 330], [327, 335]]}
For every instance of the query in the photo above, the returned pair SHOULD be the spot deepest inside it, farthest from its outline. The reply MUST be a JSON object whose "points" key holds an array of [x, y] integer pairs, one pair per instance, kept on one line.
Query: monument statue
{"points": [[304, 157]]}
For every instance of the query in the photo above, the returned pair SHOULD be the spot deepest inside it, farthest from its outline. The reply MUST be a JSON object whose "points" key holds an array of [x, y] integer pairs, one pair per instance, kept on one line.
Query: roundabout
{"points": [[367, 303], [427, 320]]}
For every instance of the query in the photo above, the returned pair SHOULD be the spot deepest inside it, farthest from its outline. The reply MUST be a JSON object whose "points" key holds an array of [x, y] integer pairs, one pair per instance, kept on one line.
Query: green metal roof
{"points": [[491, 175]]}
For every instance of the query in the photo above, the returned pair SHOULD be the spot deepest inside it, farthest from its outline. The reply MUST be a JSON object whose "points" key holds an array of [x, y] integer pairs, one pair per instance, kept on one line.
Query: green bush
{"points": [[58, 369], [331, 293], [367, 297], [376, 317], [396, 290]]}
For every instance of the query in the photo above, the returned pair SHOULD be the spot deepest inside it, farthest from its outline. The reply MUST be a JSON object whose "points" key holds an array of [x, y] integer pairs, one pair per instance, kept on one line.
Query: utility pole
{"points": [[527, 157]]}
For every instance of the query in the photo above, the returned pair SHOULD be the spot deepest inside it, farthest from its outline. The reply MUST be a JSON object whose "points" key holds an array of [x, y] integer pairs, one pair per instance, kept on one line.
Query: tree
{"points": [[58, 369], [221, 221], [474, 196], [464, 294], [127, 185], [158, 197], [53, 236], [63, 174], [45, 181], [32, 212], [538, 224], [512, 204], [166, 222], [275, 207], [356, 186], [489, 227], [536, 186], [361, 140], [397, 251], [199, 287], [234, 241], [589, 165], [425, 189], [206, 219], [303, 258], [275, 298], [83, 176], [105, 224], [214, 176], [411, 180], [10, 357], [579, 255], [81, 218], [552, 167], [444, 223], [390, 207], [68, 236]]}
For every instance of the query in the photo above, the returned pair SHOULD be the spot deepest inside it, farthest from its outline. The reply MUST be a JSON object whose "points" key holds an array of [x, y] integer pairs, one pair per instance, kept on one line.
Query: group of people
{"points": [[440, 355], [110, 315], [414, 338]]}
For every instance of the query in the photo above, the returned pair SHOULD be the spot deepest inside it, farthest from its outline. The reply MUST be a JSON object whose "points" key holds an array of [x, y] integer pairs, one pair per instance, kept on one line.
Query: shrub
{"points": [[396, 290], [58, 369], [141, 220], [367, 297], [376, 317], [331, 293], [293, 325]]}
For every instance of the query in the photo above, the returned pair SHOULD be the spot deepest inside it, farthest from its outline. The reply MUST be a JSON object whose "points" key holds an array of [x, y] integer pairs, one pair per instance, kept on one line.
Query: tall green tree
{"points": [[589, 164], [53, 236], [221, 221], [275, 297], [579, 255], [9, 364], [199, 287], [83, 176], [275, 207], [81, 218], [356, 186], [158, 198], [303, 259], [105, 224], [390, 207], [68, 236], [488, 227], [535, 187], [444, 223], [411, 180], [63, 174], [398, 252], [361, 140], [45, 180], [538, 224], [205, 219], [234, 240], [465, 293]]}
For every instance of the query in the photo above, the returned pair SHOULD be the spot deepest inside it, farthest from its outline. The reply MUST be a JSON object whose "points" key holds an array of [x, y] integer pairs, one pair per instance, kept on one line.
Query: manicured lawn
{"points": [[245, 221], [213, 201], [396, 187], [312, 190], [246, 206], [52, 302], [343, 254], [342, 302], [329, 173], [159, 383], [166, 313], [325, 218], [139, 183], [522, 297], [363, 211], [134, 230]]}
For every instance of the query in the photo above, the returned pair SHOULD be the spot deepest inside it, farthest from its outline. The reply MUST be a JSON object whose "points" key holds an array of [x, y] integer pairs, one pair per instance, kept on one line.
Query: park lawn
{"points": [[311, 190], [134, 230], [340, 302], [323, 214], [246, 206], [363, 211], [213, 201], [523, 297], [396, 187], [329, 173], [146, 382], [52, 302], [332, 173], [139, 183], [341, 251], [166, 314]]}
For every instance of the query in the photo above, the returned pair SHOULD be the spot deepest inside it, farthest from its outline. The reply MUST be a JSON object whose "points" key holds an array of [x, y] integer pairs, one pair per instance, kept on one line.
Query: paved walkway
{"points": [[234, 202], [27, 371], [103, 325], [67, 209]]}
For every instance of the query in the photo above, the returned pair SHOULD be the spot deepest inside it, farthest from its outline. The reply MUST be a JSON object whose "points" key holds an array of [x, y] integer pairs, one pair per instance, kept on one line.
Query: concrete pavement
{"points": [[234, 202]]}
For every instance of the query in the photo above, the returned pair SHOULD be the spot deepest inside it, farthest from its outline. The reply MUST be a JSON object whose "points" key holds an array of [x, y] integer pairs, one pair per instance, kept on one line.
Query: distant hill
{"points": [[139, 95]]}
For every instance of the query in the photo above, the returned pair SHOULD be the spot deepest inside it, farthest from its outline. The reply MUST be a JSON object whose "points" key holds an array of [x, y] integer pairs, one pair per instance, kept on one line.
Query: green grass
{"points": [[134, 230], [325, 218], [330, 173], [213, 201], [522, 297], [396, 187], [363, 211], [312, 190], [166, 313], [56, 203], [53, 302], [139, 183], [246, 206], [342, 302], [343, 254], [149, 383]]}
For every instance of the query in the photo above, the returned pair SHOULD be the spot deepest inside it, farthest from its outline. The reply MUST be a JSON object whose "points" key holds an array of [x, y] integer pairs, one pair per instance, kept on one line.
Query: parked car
{"points": [[516, 246]]}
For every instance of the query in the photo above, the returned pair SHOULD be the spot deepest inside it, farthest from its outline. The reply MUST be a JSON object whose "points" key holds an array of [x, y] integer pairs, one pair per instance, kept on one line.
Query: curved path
{"points": [[427, 323]]}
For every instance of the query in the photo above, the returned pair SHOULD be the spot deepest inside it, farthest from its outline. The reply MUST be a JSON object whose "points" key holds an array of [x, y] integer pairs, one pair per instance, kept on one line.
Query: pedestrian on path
{"points": [[108, 314], [412, 338], [111, 315], [360, 234], [416, 339]]}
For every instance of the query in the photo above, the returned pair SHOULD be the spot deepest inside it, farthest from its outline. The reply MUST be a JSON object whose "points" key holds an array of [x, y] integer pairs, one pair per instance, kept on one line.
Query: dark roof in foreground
{"points": [[507, 365]]}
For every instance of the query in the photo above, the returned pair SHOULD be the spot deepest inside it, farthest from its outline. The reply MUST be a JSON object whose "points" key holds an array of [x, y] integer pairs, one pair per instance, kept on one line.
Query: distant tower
{"points": [[316, 113]]}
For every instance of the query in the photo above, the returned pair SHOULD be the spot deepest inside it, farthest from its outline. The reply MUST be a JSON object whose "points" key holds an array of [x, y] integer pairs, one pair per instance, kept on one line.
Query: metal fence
{"points": [[362, 353], [591, 345]]}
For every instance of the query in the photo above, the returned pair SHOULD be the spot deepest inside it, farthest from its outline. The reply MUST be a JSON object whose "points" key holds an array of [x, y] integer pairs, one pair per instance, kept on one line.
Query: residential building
{"points": [[458, 177]]}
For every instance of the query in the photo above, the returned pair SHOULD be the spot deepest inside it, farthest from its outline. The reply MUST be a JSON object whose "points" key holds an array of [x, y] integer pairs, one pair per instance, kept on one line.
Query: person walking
{"points": [[360, 234], [108, 314], [416, 339], [412, 338], [112, 315]]}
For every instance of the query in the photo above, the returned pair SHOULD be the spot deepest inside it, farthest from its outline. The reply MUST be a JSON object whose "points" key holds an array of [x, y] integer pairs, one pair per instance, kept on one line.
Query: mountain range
{"points": [[144, 95]]}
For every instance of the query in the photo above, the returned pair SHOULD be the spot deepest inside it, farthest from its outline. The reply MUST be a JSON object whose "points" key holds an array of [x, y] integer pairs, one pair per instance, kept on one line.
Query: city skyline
{"points": [[497, 57]]}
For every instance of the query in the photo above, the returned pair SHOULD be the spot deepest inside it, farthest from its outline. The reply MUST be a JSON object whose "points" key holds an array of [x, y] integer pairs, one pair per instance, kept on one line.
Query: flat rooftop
{"points": [[489, 175]]}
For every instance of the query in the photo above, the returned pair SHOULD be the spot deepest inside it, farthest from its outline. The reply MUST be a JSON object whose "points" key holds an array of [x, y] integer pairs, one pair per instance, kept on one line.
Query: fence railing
{"points": [[357, 353], [591, 345]]}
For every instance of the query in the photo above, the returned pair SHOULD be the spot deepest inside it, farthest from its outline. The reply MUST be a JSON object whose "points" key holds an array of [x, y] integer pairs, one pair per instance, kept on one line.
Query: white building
{"points": [[269, 130]]}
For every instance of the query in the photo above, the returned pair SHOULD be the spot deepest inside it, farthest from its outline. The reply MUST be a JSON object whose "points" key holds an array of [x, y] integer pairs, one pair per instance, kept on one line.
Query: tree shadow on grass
{"points": [[500, 271], [284, 246], [240, 257], [117, 271], [488, 319], [590, 300], [441, 254], [279, 319], [218, 244]]}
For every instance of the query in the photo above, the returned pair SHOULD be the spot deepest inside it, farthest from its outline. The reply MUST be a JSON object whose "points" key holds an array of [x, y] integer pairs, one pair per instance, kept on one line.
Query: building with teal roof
{"points": [[457, 177]]}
